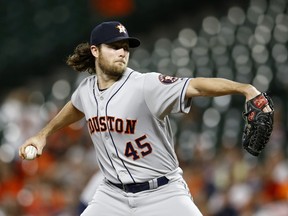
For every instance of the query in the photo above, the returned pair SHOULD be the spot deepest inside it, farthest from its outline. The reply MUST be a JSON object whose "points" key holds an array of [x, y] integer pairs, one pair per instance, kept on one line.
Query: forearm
{"points": [[68, 115], [219, 87]]}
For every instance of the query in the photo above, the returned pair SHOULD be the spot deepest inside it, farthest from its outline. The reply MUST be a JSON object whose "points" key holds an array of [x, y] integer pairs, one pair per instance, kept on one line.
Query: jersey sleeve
{"points": [[165, 94], [76, 100]]}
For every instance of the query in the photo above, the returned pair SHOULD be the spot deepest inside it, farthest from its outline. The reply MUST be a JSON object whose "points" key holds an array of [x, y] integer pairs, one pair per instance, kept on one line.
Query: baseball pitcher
{"points": [[127, 115]]}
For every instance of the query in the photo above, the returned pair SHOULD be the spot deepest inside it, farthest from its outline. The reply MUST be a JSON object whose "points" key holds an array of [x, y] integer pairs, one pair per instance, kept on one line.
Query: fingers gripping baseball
{"points": [[258, 114], [26, 151]]}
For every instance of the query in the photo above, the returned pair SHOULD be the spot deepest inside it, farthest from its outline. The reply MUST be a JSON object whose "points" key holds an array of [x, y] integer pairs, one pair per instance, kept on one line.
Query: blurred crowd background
{"points": [[245, 41]]}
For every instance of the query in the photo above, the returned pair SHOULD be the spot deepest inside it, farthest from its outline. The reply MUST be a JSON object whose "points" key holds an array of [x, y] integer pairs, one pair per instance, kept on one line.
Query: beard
{"points": [[114, 70]]}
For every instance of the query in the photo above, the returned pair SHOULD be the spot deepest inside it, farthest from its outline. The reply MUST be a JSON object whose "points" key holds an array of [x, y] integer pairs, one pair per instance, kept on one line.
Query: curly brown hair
{"points": [[82, 59]]}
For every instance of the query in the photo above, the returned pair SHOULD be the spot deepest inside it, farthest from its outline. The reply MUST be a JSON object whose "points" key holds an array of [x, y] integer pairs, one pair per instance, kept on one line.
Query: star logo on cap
{"points": [[121, 28]]}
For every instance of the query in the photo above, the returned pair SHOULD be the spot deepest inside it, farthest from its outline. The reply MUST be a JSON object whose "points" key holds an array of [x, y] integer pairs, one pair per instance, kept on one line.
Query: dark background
{"points": [[37, 36]]}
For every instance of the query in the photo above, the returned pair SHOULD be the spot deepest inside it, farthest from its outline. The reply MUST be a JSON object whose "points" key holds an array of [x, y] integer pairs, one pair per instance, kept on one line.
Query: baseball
{"points": [[30, 152]]}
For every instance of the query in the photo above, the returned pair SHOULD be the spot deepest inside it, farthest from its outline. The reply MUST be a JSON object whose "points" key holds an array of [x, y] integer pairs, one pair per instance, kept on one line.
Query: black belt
{"points": [[137, 187]]}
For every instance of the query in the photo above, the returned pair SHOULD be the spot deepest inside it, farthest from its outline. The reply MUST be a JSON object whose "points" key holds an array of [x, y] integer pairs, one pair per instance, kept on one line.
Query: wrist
{"points": [[250, 91], [43, 134]]}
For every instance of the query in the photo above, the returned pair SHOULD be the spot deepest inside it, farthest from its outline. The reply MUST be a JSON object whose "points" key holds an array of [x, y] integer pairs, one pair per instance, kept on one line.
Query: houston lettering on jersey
{"points": [[111, 123]]}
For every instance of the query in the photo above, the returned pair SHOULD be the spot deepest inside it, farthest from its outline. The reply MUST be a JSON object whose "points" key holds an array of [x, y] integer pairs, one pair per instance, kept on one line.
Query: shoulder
{"points": [[87, 81], [141, 75], [152, 77], [161, 78]]}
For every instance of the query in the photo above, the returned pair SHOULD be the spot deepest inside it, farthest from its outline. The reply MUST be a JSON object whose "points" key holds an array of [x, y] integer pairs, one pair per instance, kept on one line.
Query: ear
{"points": [[95, 51]]}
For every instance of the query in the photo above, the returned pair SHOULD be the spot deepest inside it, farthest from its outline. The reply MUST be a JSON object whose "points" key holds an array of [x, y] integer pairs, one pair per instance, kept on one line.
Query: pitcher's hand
{"points": [[37, 141]]}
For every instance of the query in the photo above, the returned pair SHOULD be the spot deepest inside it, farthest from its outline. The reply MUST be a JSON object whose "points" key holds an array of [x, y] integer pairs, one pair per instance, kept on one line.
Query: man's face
{"points": [[113, 58]]}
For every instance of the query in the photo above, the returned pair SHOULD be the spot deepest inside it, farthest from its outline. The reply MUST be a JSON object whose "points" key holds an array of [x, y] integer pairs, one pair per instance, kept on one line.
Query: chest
{"points": [[124, 103], [119, 111]]}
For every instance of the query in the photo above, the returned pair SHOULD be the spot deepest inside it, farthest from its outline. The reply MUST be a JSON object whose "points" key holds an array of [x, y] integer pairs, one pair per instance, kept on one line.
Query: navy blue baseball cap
{"points": [[112, 31]]}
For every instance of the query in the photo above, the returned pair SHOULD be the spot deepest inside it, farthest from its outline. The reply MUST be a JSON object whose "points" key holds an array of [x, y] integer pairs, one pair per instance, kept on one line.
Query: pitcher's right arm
{"points": [[67, 115]]}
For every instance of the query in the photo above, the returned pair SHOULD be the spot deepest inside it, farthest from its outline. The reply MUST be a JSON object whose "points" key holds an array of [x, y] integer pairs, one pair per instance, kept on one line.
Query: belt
{"points": [[138, 187]]}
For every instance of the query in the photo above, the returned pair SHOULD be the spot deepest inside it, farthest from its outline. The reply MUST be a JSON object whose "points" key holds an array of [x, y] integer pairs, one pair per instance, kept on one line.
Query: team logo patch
{"points": [[121, 28], [167, 79]]}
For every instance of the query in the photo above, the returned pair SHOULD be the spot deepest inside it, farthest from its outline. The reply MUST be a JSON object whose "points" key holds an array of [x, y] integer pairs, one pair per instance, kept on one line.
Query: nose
{"points": [[122, 52]]}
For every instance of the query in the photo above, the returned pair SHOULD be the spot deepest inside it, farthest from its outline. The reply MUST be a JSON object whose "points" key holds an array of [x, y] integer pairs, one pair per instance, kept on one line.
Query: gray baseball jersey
{"points": [[129, 126]]}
